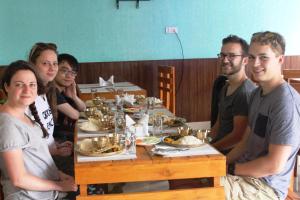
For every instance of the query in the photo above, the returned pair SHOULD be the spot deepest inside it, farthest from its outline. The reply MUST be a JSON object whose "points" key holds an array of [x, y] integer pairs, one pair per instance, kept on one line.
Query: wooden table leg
{"points": [[217, 181], [83, 190]]}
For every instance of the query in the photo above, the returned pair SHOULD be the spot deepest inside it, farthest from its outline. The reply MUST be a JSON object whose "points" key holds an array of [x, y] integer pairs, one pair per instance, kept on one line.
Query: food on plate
{"points": [[131, 110], [147, 140], [185, 141], [89, 147], [89, 126], [169, 120], [188, 140]]}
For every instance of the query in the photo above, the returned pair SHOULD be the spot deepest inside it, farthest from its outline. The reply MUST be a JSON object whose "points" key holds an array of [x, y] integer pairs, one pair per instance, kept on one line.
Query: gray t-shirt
{"points": [[233, 105], [14, 134], [274, 119]]}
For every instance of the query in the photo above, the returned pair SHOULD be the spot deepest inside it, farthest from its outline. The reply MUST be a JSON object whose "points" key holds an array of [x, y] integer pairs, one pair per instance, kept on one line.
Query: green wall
{"points": [[94, 30]]}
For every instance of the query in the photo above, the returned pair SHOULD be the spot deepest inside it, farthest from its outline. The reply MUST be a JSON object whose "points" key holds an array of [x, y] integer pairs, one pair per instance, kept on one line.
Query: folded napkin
{"points": [[126, 99], [143, 122], [128, 121], [123, 156], [168, 151], [140, 128], [129, 99], [154, 100], [109, 82]]}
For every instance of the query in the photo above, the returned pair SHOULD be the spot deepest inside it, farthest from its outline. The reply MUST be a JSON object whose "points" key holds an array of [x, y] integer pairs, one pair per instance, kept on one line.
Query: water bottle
{"points": [[130, 140], [120, 126]]}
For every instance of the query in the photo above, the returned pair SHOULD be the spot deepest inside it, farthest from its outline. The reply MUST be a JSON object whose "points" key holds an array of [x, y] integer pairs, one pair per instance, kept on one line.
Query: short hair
{"points": [[38, 48], [238, 40], [69, 59], [275, 40]]}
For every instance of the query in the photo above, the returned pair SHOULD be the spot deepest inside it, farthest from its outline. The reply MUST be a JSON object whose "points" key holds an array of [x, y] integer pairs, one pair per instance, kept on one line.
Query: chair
{"points": [[292, 195], [166, 86], [290, 74]]}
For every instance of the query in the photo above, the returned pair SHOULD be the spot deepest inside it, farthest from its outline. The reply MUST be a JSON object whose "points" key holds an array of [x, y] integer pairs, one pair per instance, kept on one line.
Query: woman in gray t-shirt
{"points": [[27, 168]]}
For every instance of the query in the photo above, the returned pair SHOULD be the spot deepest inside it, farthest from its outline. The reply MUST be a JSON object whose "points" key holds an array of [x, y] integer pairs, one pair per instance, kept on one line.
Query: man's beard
{"points": [[235, 69]]}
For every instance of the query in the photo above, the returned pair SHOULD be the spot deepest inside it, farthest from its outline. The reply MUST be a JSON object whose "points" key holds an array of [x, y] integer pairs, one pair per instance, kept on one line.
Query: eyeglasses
{"points": [[230, 56], [66, 72]]}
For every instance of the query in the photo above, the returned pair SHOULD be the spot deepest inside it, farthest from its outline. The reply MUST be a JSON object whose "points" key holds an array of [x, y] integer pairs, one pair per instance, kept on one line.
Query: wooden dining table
{"points": [[109, 92], [149, 167]]}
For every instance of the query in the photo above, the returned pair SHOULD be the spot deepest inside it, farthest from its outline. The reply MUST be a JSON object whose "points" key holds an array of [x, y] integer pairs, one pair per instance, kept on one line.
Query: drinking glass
{"points": [[119, 122], [202, 135], [93, 91], [157, 125], [130, 140], [150, 103]]}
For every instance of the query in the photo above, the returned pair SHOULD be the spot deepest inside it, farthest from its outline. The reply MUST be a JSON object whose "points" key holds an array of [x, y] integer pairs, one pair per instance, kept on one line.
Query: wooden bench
{"points": [[292, 195]]}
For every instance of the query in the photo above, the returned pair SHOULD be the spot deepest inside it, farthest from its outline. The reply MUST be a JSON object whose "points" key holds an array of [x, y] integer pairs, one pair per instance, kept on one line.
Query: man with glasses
{"points": [[261, 165], [234, 96], [68, 103]]}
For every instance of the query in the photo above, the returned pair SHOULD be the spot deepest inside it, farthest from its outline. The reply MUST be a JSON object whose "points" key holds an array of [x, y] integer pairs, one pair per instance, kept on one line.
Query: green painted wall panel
{"points": [[95, 31]]}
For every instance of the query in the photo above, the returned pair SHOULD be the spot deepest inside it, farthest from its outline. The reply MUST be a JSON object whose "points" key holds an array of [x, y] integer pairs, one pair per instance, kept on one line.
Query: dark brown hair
{"points": [[8, 74], [238, 40]]}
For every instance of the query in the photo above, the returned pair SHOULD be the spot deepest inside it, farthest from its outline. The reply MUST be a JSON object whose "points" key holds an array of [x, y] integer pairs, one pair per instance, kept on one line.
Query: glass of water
{"points": [[157, 125], [93, 92]]}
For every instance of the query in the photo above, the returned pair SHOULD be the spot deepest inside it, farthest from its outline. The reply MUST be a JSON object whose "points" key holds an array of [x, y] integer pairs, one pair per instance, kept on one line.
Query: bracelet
{"points": [[231, 169]]}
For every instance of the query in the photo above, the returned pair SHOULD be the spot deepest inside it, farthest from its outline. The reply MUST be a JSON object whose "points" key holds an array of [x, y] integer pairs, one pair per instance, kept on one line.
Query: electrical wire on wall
{"points": [[182, 71]]}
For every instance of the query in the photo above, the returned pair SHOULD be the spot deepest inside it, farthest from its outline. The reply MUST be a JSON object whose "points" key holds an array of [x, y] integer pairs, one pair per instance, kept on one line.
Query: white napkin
{"points": [[128, 121], [129, 99], [167, 151], [154, 100], [143, 122], [109, 82], [140, 128]]}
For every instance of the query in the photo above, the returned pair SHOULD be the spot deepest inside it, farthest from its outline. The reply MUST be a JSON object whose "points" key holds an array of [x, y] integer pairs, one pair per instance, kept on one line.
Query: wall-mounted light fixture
{"points": [[137, 2]]}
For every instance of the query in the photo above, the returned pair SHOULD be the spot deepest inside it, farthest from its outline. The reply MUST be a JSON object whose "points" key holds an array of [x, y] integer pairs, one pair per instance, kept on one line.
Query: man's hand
{"points": [[65, 148], [71, 90]]}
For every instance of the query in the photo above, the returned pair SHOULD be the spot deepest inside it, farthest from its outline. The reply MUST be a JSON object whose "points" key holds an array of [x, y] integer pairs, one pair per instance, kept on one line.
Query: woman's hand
{"points": [[67, 183]]}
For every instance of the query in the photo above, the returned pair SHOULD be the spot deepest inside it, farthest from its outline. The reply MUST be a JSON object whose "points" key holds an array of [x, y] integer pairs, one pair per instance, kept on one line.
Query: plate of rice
{"points": [[182, 142]]}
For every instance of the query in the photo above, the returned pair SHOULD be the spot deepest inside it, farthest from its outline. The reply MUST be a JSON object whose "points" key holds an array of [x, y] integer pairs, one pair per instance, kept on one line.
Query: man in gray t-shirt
{"points": [[234, 96], [263, 162]]}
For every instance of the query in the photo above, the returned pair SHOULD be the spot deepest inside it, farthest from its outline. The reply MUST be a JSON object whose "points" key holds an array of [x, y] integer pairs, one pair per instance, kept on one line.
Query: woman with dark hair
{"points": [[27, 168], [44, 58]]}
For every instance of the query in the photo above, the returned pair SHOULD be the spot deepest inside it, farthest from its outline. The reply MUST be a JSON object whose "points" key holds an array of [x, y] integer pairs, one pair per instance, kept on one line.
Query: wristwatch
{"points": [[231, 168]]}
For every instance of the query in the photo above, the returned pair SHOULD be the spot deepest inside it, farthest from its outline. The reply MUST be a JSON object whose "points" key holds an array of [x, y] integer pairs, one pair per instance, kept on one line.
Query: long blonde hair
{"points": [[50, 89]]}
